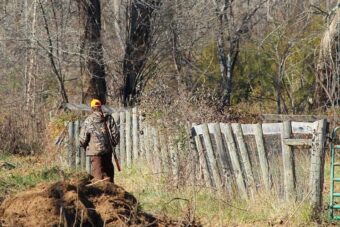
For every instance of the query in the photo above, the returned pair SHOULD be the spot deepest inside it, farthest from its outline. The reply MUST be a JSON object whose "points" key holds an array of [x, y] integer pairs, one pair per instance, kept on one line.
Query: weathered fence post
{"points": [[245, 158], [82, 154], [76, 145], [88, 165], [262, 156], [128, 139], [122, 150], [316, 169], [70, 154], [82, 158], [135, 141], [226, 129], [164, 152], [211, 157], [117, 150], [141, 136], [148, 145], [288, 162], [174, 160], [156, 150]]}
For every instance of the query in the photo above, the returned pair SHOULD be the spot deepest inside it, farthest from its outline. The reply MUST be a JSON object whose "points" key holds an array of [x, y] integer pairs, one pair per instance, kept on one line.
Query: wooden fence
{"points": [[240, 159]]}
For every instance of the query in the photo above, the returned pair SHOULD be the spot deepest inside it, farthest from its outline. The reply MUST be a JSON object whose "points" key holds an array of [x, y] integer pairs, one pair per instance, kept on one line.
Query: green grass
{"points": [[27, 173]]}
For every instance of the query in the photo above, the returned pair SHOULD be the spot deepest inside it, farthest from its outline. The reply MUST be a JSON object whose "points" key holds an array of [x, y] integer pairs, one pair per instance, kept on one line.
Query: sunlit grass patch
{"points": [[157, 195], [27, 172]]}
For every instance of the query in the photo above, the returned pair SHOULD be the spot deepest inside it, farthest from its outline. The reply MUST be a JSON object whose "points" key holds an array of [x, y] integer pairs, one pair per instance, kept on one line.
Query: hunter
{"points": [[95, 139]]}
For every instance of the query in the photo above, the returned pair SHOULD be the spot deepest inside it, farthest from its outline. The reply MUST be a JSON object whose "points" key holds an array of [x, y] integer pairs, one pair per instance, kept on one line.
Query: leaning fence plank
{"points": [[122, 137], [298, 142], [303, 127], [198, 129], [211, 156], [207, 175], [248, 129], [222, 157], [135, 142], [271, 128], [275, 128], [70, 154], [128, 138], [288, 163], [262, 156], [228, 136], [245, 158], [192, 156], [317, 164], [76, 140]]}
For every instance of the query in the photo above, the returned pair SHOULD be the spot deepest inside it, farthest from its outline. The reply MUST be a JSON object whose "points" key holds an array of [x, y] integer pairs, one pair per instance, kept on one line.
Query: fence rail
{"points": [[240, 159]]}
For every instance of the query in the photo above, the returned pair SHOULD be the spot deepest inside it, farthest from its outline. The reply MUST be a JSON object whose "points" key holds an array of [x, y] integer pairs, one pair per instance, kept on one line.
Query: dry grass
{"points": [[156, 195]]}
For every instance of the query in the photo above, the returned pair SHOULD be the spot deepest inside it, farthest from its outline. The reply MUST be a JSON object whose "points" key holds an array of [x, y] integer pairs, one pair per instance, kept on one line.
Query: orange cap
{"points": [[95, 103]]}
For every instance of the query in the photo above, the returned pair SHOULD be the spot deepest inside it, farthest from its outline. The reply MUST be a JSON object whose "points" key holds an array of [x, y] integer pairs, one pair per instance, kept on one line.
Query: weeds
{"points": [[28, 173], [156, 195]]}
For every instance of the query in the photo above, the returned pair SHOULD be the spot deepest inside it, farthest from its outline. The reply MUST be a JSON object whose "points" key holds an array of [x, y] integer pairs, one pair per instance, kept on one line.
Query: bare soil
{"points": [[75, 203]]}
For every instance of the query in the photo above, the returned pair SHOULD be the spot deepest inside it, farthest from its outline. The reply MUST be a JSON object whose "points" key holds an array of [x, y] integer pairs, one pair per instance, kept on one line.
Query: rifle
{"points": [[110, 140]]}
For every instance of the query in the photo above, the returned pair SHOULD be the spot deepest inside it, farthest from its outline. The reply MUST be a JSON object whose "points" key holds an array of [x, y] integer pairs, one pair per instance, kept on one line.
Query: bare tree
{"points": [[231, 28], [31, 59], [328, 65], [93, 50], [51, 51], [138, 43]]}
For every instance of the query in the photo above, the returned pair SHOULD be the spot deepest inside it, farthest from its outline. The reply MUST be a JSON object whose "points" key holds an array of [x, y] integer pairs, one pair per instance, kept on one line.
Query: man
{"points": [[95, 139]]}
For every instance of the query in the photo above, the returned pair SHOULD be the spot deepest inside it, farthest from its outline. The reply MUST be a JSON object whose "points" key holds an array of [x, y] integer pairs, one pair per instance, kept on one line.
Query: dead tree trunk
{"points": [[137, 48], [93, 50]]}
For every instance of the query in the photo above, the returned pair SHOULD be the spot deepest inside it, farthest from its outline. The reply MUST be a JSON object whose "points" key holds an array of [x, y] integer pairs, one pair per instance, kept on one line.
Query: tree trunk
{"points": [[94, 63], [29, 74], [116, 7], [227, 83], [137, 48], [278, 97], [50, 51], [327, 92], [227, 54], [226, 61]]}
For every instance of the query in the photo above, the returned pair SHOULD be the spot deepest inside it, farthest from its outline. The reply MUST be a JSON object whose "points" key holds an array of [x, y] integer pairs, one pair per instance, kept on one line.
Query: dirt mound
{"points": [[77, 204]]}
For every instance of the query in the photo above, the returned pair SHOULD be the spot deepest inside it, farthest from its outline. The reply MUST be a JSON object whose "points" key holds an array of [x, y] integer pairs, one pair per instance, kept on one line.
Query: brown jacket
{"points": [[93, 136]]}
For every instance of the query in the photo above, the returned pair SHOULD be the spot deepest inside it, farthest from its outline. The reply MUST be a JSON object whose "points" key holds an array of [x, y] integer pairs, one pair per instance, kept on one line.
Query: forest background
{"points": [[189, 60]]}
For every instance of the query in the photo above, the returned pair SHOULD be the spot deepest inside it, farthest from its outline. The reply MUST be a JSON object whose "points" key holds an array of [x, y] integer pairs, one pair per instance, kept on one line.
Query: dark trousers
{"points": [[102, 166]]}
